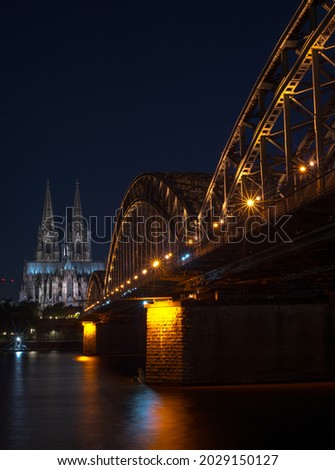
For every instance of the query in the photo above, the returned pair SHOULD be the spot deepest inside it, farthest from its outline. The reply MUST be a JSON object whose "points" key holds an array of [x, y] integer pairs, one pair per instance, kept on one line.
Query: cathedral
{"points": [[63, 262]]}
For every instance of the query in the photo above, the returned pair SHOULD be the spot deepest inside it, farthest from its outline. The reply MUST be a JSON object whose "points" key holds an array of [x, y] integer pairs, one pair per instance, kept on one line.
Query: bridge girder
{"points": [[285, 134]]}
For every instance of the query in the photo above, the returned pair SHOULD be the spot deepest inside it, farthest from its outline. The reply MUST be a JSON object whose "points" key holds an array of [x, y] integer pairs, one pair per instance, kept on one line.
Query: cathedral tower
{"points": [[78, 240], [47, 237]]}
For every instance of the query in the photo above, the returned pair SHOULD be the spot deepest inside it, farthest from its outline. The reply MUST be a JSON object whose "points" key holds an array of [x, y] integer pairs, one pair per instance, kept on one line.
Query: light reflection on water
{"points": [[60, 401]]}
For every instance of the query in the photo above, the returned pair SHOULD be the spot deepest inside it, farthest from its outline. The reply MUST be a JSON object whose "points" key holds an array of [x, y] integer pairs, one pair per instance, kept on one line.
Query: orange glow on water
{"points": [[83, 358]]}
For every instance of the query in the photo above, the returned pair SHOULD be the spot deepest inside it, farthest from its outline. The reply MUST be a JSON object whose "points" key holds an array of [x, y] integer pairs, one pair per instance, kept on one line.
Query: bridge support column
{"points": [[165, 358], [89, 338]]}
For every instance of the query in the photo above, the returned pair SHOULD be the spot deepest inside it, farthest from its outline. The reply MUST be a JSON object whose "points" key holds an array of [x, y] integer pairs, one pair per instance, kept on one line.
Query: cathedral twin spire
{"points": [[63, 264], [76, 245]]}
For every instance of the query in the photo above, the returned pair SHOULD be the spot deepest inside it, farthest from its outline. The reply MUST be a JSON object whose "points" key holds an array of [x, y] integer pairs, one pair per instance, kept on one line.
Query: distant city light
{"points": [[144, 271], [302, 169], [156, 263]]}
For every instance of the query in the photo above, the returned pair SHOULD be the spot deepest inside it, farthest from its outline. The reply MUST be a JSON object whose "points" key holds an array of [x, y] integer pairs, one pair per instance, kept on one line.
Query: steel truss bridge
{"points": [[268, 210]]}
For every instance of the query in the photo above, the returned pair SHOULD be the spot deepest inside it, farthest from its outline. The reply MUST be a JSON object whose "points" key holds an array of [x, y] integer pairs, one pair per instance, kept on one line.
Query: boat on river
{"points": [[16, 346]]}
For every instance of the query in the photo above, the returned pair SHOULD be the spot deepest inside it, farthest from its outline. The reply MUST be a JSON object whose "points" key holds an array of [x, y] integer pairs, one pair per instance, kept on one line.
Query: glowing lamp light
{"points": [[122, 286], [302, 169], [128, 282], [136, 277], [18, 338], [215, 225], [156, 263], [312, 163], [258, 198], [190, 242], [250, 202], [144, 271], [116, 289], [166, 256]]}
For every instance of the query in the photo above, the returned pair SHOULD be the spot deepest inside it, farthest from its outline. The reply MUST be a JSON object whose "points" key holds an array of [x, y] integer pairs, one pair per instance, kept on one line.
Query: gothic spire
{"points": [[77, 213], [47, 217], [80, 247], [47, 238]]}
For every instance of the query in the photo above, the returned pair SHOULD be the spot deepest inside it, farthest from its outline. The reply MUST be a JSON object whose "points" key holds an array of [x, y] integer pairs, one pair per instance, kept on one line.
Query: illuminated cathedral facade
{"points": [[63, 262]]}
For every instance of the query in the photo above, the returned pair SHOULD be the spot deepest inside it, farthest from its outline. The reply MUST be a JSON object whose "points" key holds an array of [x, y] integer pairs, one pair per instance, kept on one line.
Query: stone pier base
{"points": [[165, 343], [194, 343], [89, 338]]}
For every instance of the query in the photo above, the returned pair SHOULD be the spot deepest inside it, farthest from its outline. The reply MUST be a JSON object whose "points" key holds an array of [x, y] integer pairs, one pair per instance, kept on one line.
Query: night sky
{"points": [[103, 91]]}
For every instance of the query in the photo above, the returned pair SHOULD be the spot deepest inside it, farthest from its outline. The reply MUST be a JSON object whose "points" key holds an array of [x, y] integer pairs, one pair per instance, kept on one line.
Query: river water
{"points": [[63, 401]]}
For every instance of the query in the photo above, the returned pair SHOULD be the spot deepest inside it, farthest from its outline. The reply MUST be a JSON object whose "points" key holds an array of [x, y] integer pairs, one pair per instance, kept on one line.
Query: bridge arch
{"points": [[95, 287], [154, 227]]}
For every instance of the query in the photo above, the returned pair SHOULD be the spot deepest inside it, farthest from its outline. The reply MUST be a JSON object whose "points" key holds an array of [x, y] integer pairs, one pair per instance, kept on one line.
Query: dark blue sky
{"points": [[102, 91]]}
